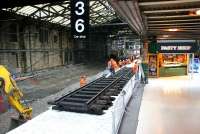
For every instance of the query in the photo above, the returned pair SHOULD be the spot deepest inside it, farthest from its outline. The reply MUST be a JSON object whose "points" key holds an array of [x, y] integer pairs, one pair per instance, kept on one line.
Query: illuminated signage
{"points": [[177, 47], [79, 18]]}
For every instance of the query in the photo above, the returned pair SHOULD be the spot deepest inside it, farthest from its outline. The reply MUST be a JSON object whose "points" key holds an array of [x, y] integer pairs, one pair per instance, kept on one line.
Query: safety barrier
{"points": [[122, 100]]}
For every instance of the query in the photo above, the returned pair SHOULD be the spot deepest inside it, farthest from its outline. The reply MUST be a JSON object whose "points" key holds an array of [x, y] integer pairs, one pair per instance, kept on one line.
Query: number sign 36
{"points": [[79, 18]]}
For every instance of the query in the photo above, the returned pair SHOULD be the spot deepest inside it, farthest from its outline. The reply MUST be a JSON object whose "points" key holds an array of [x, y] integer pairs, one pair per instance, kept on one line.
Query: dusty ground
{"points": [[49, 84]]}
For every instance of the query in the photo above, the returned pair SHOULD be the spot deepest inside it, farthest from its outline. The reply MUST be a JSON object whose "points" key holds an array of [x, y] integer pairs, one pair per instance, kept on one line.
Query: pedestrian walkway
{"points": [[170, 106]]}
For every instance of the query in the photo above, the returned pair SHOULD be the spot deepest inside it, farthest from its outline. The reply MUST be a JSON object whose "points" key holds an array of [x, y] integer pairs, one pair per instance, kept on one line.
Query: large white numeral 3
{"points": [[80, 6], [79, 25]]}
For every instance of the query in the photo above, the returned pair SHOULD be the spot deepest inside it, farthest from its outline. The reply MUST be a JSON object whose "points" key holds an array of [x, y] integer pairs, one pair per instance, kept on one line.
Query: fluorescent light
{"points": [[172, 29], [198, 12], [165, 36]]}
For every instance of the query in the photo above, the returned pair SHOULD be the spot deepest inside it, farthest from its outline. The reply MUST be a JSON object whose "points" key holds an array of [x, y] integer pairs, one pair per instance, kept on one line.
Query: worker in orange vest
{"points": [[109, 65], [135, 67], [128, 61], [114, 64], [83, 80], [120, 63]]}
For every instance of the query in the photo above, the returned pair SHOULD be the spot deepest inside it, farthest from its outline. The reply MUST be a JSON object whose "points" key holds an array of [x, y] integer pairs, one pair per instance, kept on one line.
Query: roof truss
{"points": [[100, 12]]}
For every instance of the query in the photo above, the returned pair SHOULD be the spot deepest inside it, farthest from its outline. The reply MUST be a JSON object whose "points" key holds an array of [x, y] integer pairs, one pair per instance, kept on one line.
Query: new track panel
{"points": [[96, 96]]}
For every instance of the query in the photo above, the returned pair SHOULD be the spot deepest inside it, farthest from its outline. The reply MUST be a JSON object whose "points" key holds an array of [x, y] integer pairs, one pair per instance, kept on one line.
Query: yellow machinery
{"points": [[14, 95]]}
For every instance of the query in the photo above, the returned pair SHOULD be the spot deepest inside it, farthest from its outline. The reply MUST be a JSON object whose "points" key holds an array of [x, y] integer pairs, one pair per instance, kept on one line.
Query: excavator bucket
{"points": [[16, 122]]}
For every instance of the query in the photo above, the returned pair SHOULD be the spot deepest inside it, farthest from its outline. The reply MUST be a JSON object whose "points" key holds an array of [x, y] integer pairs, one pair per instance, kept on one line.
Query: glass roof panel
{"points": [[98, 8], [41, 5], [57, 7], [57, 19], [27, 9], [100, 12], [43, 14], [67, 22]]}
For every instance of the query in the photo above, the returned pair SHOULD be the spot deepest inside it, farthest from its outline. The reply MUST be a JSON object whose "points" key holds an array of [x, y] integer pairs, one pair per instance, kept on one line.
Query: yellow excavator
{"points": [[13, 94]]}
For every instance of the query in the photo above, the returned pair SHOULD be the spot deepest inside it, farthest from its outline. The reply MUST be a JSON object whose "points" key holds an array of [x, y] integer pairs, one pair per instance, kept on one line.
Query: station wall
{"points": [[27, 45]]}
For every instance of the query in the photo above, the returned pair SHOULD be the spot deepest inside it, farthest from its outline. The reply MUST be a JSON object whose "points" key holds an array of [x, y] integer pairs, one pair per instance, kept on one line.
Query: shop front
{"points": [[173, 64], [171, 58]]}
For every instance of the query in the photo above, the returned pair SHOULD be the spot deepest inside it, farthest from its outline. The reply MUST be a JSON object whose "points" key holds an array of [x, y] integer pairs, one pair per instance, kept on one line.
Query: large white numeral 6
{"points": [[79, 25], [80, 6]]}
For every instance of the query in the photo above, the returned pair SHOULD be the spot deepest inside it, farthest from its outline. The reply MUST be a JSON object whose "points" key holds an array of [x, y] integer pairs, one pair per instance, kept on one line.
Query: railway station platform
{"points": [[170, 105], [166, 105]]}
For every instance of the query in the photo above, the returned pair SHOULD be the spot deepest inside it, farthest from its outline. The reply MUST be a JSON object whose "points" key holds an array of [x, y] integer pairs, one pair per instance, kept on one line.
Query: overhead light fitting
{"points": [[173, 30], [198, 12], [165, 36]]}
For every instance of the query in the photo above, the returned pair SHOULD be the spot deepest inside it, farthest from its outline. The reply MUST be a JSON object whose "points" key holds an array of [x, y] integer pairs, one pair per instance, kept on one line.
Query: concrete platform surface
{"points": [[170, 106]]}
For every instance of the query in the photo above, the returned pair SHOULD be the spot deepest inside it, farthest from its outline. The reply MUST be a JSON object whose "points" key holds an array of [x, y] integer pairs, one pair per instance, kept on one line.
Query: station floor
{"points": [[170, 106]]}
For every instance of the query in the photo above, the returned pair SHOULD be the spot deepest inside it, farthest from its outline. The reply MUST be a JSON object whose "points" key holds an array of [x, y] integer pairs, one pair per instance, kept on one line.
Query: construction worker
{"points": [[120, 63], [109, 66], [114, 64], [128, 61], [123, 62], [83, 80], [135, 69]]}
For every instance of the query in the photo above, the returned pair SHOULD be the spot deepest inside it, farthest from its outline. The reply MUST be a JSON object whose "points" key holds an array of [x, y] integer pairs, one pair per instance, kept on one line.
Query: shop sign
{"points": [[177, 48], [79, 18]]}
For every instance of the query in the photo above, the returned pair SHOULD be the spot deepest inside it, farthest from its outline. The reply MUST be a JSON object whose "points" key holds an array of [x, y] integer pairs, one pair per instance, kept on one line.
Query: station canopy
{"points": [[161, 18], [59, 12]]}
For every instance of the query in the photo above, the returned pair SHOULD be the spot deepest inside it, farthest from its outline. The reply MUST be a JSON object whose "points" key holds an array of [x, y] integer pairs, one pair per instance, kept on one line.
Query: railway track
{"points": [[96, 96]]}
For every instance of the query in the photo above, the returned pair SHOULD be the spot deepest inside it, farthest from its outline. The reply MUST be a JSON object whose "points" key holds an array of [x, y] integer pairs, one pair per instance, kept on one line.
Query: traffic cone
{"points": [[83, 81]]}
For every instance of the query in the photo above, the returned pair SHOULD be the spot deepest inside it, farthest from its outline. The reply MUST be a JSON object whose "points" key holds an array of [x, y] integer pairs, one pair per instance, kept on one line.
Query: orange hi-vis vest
{"points": [[114, 64]]}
